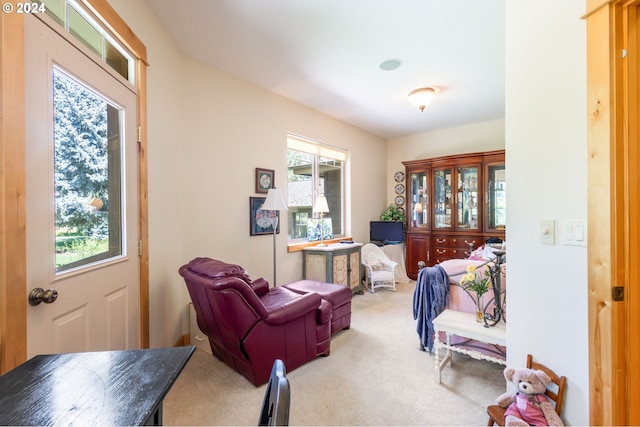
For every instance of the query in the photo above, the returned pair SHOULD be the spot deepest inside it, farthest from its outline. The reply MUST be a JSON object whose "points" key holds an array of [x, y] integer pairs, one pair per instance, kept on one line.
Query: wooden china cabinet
{"points": [[454, 204]]}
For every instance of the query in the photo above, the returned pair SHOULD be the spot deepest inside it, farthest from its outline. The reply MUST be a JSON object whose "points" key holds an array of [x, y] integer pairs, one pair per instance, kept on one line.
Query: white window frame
{"points": [[320, 149]]}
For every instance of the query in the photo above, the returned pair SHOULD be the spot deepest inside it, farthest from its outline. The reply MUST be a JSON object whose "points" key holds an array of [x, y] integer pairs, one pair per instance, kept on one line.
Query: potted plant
{"points": [[393, 213]]}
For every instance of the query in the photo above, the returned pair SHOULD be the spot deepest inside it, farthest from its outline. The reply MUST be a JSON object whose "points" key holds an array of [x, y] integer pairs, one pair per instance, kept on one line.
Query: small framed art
{"points": [[264, 180], [261, 222]]}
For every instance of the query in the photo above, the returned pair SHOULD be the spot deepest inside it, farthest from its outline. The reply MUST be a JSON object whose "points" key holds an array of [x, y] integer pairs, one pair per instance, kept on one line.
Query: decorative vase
{"points": [[479, 311]]}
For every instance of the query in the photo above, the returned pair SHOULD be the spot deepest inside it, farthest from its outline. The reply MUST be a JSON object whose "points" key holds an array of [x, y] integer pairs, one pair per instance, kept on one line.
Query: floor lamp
{"points": [[321, 207], [274, 202]]}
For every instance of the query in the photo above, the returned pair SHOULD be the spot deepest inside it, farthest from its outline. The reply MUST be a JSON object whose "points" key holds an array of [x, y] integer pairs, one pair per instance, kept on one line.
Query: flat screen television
{"points": [[386, 232]]}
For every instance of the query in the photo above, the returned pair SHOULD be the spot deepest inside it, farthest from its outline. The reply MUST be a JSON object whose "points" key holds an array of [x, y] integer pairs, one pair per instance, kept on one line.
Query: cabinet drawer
{"points": [[463, 242], [441, 241], [442, 253], [459, 253]]}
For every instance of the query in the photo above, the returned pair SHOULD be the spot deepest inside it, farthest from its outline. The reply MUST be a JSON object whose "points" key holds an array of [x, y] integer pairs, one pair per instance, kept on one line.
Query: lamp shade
{"points": [[321, 205], [422, 97], [274, 201]]}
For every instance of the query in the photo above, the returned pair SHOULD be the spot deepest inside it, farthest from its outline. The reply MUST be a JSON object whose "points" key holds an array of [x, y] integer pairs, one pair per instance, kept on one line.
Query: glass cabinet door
{"points": [[442, 200], [496, 198], [418, 202], [467, 198]]}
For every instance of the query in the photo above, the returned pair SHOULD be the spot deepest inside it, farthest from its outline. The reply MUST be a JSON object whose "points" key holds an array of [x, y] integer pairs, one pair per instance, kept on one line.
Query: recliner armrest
{"points": [[294, 309], [260, 286]]}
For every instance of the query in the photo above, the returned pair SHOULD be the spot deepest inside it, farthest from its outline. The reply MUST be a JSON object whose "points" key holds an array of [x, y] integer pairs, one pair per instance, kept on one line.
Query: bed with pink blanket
{"points": [[461, 301], [458, 298]]}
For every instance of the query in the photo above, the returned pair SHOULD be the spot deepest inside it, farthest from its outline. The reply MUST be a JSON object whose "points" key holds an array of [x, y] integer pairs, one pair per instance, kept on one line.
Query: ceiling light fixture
{"points": [[422, 97]]}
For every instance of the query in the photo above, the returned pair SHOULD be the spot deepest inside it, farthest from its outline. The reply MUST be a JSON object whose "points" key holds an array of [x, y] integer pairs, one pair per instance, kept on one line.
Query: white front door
{"points": [[81, 201]]}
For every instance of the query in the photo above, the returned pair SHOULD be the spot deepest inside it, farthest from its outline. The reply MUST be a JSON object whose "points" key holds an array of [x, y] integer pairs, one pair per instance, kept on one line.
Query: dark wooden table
{"points": [[98, 388]]}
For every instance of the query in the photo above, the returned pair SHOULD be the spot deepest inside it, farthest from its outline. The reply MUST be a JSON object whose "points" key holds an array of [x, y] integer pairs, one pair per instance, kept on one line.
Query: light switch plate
{"points": [[574, 232], [547, 231]]}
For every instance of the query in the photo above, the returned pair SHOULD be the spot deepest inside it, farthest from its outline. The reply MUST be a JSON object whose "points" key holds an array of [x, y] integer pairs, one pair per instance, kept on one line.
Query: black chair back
{"points": [[277, 398]]}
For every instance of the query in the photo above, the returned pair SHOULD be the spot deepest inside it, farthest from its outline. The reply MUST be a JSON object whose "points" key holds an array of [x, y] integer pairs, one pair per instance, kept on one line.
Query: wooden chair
{"points": [[496, 413]]}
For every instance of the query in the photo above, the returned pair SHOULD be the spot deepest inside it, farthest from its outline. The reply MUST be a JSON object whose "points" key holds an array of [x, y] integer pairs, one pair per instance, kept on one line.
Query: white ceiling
{"points": [[326, 54]]}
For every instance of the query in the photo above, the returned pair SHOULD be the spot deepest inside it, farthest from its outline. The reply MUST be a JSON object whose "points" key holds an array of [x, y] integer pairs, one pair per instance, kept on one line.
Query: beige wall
{"points": [[471, 138], [208, 131], [546, 118]]}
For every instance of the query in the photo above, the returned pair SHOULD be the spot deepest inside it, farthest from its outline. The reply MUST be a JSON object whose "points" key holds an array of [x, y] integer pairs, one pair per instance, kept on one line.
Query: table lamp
{"points": [[321, 207], [274, 202]]}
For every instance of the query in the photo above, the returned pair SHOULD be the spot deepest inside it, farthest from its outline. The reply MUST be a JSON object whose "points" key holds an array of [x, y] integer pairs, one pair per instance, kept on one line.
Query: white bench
{"points": [[462, 324]]}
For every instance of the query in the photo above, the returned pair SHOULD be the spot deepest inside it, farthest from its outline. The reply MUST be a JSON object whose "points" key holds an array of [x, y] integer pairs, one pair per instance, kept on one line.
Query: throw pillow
{"points": [[374, 262]]}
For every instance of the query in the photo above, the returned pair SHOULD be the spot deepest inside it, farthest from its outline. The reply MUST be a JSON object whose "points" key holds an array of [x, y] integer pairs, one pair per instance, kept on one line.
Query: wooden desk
{"points": [[462, 324], [100, 388]]}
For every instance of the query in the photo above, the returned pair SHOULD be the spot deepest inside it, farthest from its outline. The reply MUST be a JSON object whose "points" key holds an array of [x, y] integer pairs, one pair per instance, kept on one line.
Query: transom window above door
{"points": [[76, 20]]}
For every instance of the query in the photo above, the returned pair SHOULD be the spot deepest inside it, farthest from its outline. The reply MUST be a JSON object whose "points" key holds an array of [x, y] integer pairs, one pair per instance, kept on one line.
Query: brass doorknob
{"points": [[38, 295]]}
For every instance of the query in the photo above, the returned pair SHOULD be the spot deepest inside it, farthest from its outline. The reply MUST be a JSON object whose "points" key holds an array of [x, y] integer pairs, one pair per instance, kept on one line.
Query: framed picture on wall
{"points": [[264, 180], [261, 222]]}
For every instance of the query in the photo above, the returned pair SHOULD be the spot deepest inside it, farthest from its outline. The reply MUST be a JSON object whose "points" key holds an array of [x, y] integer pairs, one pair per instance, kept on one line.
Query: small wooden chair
{"points": [[496, 413]]}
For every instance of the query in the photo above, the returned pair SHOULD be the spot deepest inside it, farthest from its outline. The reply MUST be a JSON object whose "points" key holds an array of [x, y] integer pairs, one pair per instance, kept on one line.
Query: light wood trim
{"points": [[600, 307], [631, 69], [296, 247], [111, 20], [595, 5], [13, 310], [613, 198], [143, 205], [183, 340]]}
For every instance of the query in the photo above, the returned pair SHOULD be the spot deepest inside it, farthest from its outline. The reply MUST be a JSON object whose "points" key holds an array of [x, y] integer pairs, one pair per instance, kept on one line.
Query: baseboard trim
{"points": [[183, 340]]}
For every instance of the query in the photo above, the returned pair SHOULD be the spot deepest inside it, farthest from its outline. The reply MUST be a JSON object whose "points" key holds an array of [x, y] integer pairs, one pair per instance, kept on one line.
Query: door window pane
{"points": [[87, 174], [85, 32]]}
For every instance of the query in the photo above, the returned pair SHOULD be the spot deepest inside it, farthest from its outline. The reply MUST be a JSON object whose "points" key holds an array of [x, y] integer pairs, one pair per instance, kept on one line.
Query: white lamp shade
{"points": [[274, 201], [422, 97], [321, 205]]}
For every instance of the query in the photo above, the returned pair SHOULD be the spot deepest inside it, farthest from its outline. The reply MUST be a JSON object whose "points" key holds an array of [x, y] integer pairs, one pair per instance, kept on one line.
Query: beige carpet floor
{"points": [[375, 375]]}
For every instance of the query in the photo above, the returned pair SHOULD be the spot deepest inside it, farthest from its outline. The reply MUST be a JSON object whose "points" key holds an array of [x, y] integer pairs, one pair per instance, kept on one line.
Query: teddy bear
{"points": [[528, 405]]}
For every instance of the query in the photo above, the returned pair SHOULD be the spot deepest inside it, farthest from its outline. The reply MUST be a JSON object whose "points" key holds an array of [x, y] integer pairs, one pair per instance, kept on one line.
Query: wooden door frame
{"points": [[613, 160], [13, 295]]}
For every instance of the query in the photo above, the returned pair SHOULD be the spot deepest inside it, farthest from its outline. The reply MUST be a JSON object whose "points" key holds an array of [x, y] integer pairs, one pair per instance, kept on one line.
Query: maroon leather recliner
{"points": [[250, 325]]}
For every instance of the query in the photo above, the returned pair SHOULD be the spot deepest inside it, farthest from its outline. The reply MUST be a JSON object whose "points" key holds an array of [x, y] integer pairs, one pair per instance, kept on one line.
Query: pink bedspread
{"points": [[458, 298]]}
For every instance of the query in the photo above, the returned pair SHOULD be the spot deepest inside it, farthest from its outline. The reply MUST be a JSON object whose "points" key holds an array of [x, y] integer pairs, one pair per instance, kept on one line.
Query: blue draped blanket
{"points": [[430, 298]]}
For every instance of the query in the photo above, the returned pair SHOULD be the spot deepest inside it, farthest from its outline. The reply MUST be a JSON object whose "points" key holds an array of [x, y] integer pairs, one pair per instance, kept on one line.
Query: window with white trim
{"points": [[314, 169]]}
